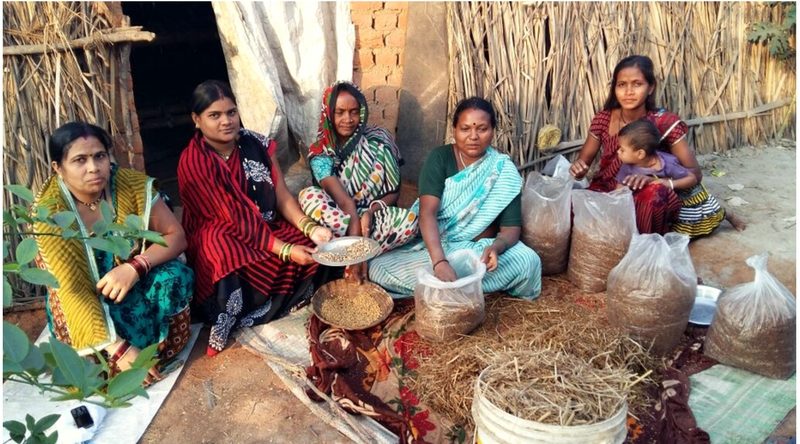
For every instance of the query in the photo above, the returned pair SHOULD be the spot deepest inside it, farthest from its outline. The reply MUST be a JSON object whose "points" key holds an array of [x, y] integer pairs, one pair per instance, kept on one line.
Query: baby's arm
{"points": [[684, 183]]}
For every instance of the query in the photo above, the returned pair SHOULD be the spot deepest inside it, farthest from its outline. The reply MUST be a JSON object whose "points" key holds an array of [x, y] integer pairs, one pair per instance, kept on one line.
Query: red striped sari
{"points": [[231, 221], [656, 205]]}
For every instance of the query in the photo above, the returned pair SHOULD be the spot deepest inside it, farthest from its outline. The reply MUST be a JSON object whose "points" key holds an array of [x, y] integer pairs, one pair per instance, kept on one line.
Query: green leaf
{"points": [[121, 229], [42, 212], [154, 237], [70, 364], [30, 421], [100, 227], [26, 251], [21, 191], [64, 218], [5, 249], [15, 343], [34, 362], [106, 211], [68, 233], [146, 358], [45, 423], [91, 376], [52, 439], [8, 293], [8, 218], [11, 367], [126, 382], [122, 247], [11, 267], [16, 429], [59, 378], [39, 276], [718, 173], [134, 222], [101, 244]]}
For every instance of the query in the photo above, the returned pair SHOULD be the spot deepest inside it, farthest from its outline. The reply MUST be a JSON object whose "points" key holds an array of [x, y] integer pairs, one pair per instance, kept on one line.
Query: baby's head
{"points": [[638, 141]]}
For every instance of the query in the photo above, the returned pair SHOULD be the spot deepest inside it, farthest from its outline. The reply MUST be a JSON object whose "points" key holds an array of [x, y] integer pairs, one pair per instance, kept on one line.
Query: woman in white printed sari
{"points": [[469, 199]]}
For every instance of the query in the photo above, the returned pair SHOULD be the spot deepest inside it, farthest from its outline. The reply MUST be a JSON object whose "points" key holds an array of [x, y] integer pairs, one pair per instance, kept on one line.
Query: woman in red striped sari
{"points": [[249, 242]]}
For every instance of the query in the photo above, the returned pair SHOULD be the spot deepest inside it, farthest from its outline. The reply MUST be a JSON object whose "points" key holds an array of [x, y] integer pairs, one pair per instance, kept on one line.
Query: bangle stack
{"points": [[439, 262], [307, 226], [286, 252], [141, 264]]}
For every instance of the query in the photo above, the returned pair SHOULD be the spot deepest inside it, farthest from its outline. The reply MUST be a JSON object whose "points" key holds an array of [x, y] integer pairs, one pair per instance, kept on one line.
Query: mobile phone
{"points": [[83, 420]]}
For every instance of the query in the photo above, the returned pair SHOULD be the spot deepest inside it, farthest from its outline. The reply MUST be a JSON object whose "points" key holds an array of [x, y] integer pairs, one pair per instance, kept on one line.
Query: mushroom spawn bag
{"points": [[546, 220], [652, 290], [754, 325]]}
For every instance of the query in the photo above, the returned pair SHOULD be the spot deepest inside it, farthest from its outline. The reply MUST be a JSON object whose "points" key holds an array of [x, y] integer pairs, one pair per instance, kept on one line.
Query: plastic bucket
{"points": [[495, 426]]}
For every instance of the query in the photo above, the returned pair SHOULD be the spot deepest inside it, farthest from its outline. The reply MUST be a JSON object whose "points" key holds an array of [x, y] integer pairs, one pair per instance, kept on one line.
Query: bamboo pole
{"points": [[115, 36]]}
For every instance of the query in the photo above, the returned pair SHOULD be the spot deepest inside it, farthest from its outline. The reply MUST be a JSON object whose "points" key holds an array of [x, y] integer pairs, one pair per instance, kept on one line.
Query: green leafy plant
{"points": [[776, 35], [106, 235], [37, 430]]}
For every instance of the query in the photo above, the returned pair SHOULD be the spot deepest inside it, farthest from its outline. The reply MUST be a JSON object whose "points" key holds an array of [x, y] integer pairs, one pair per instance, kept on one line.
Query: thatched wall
{"points": [[551, 63]]}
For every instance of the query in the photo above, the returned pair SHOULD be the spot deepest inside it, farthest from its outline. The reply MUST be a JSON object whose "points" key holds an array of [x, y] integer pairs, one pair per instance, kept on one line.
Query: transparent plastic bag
{"points": [[546, 220], [558, 167], [754, 325], [651, 291], [602, 227], [445, 310]]}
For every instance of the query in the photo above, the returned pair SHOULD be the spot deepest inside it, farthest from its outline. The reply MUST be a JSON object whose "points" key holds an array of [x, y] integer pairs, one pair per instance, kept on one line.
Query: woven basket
{"points": [[346, 288]]}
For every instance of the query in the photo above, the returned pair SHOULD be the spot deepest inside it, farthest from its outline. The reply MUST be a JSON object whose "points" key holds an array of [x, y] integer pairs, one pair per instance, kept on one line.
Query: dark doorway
{"points": [[185, 52]]}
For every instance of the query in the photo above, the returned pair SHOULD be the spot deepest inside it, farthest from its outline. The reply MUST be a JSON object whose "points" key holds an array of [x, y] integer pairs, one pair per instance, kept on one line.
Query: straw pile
{"points": [[552, 62], [551, 328]]}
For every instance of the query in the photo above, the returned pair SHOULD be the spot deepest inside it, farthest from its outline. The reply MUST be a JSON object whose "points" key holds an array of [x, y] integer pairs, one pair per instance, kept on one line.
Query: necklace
{"points": [[463, 165], [93, 204], [225, 156], [622, 117]]}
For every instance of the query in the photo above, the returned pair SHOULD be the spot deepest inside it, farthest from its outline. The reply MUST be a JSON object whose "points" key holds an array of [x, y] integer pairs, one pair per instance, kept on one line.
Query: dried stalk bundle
{"points": [[445, 379], [359, 249], [591, 258], [552, 62], [553, 387]]}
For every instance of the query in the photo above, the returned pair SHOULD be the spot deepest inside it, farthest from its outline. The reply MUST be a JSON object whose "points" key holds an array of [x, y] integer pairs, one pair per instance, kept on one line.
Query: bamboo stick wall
{"points": [[551, 63]]}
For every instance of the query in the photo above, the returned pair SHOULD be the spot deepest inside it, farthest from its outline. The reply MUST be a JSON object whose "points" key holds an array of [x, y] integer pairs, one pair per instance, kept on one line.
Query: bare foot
{"points": [[738, 223]]}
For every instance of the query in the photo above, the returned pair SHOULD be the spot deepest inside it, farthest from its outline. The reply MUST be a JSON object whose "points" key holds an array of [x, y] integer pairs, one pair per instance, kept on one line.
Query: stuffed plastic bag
{"points": [[445, 310], [602, 227], [546, 220], [558, 167], [754, 325], [651, 291]]}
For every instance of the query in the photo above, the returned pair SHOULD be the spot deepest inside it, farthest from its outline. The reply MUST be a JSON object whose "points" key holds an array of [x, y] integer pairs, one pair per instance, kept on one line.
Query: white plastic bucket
{"points": [[495, 426]]}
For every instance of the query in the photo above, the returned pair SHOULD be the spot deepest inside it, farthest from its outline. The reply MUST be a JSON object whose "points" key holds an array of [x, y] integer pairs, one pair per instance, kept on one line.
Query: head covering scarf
{"points": [[326, 143]]}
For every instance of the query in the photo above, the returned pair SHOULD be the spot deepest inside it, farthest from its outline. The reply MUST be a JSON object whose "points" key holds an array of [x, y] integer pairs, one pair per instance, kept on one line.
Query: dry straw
{"points": [[551, 62], [540, 334]]}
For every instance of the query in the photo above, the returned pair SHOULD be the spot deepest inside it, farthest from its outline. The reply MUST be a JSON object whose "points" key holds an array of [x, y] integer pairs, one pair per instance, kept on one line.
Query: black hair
{"points": [[645, 65], [642, 135], [209, 92], [63, 136], [475, 103]]}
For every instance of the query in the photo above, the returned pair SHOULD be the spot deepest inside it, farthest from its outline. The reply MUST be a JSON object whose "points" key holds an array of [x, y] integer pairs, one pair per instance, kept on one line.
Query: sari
{"points": [[368, 166], [471, 202], [231, 220], [155, 310], [658, 209]]}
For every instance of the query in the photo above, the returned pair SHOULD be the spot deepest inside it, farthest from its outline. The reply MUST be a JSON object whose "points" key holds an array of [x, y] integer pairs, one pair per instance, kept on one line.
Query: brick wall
{"points": [[378, 60]]}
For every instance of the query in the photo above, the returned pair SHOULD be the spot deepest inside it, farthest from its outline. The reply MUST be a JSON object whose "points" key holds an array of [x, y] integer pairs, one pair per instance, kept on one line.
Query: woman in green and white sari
{"points": [[356, 171], [469, 199]]}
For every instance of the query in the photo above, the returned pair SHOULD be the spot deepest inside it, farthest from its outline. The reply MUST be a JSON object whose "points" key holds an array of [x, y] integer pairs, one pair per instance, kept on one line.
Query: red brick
{"points": [[373, 77], [395, 78], [390, 112], [396, 39], [386, 94], [364, 58], [385, 20], [402, 20], [385, 57], [395, 5], [368, 38], [361, 19], [360, 6]]}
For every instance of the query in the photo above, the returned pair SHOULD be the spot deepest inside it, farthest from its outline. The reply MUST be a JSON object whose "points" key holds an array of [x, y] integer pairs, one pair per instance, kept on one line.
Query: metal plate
{"points": [[705, 305], [340, 245]]}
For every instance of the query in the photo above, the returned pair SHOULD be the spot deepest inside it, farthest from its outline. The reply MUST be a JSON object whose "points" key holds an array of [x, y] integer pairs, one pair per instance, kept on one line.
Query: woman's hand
{"points": [[356, 272], [490, 257], [117, 282], [578, 169], [320, 235], [126, 361], [366, 223], [637, 181], [300, 254], [444, 272]]}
